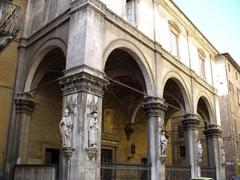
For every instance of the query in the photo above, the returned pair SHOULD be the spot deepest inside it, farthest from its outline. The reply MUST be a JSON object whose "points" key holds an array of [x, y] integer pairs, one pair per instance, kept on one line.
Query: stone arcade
{"points": [[125, 106]]}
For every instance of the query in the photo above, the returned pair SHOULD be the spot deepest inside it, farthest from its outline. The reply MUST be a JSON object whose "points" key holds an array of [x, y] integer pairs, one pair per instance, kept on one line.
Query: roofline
{"points": [[231, 60], [195, 27]]}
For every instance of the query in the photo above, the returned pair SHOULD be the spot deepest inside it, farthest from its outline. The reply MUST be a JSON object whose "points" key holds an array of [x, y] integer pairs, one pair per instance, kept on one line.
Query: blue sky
{"points": [[218, 20]]}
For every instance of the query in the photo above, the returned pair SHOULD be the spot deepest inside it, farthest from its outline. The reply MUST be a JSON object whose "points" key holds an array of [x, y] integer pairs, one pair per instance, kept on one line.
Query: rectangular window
{"points": [[231, 88], [229, 68], [180, 131], [131, 11], [238, 94], [51, 156], [202, 68], [236, 75], [174, 44], [182, 151]]}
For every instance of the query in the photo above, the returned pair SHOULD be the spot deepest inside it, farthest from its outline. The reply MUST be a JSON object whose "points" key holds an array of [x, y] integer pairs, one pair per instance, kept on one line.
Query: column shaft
{"points": [[155, 109], [82, 95], [214, 135], [190, 123]]}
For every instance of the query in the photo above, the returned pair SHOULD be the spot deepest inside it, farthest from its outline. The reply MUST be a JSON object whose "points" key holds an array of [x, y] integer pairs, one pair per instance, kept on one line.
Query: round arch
{"points": [[209, 105], [177, 78], [42, 51], [137, 55]]}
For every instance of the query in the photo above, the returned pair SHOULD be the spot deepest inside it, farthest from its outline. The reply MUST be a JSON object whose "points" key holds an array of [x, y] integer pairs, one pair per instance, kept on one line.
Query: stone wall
{"points": [[44, 131]]}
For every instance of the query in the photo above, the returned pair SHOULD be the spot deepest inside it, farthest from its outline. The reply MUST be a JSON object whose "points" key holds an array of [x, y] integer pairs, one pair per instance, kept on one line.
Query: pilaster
{"points": [[82, 96], [24, 105], [155, 109]]}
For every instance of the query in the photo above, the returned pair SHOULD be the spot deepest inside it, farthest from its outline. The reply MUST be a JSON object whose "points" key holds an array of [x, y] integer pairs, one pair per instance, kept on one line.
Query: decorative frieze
{"points": [[190, 121], [83, 82], [24, 103], [154, 106]]}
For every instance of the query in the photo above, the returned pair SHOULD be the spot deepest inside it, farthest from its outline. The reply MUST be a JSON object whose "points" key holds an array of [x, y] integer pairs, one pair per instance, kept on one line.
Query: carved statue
{"points": [[222, 153], [65, 127], [92, 130], [163, 143], [199, 150]]}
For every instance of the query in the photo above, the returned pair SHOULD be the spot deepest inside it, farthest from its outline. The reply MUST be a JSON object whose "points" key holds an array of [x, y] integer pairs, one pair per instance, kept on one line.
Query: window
{"points": [[180, 131], [182, 151], [174, 37], [51, 156], [238, 94], [229, 68], [236, 75], [131, 8], [202, 57], [174, 44], [231, 89]]}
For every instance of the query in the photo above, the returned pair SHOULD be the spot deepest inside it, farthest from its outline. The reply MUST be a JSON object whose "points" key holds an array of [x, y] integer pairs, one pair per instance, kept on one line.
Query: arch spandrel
{"points": [[39, 54], [137, 55]]}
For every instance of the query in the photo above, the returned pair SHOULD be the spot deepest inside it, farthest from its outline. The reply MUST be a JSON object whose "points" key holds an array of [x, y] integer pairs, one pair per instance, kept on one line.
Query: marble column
{"points": [[82, 96], [155, 109], [24, 105], [190, 123], [216, 154]]}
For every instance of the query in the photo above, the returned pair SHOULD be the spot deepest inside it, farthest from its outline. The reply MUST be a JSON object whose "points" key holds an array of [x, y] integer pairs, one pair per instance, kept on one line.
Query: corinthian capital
{"points": [[83, 82], [24, 103], [155, 106]]}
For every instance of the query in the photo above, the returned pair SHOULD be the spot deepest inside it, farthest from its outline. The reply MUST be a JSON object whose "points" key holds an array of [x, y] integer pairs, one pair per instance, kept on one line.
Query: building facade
{"points": [[110, 90], [228, 86], [10, 27]]}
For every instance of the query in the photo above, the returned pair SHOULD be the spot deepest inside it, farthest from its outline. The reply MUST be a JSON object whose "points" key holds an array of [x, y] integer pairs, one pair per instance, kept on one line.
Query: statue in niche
{"points": [[163, 143], [222, 153], [93, 124], [199, 150], [93, 128], [65, 126]]}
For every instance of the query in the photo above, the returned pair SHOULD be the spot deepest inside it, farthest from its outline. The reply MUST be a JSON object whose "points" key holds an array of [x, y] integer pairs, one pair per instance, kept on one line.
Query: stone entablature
{"points": [[83, 82]]}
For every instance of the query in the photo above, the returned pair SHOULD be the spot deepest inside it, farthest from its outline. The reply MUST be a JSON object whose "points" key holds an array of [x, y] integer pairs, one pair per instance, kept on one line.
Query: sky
{"points": [[218, 20]]}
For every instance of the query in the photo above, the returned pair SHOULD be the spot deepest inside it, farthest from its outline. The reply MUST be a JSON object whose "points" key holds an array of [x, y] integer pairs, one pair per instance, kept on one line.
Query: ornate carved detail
{"points": [[83, 82], [68, 152], [163, 144], [24, 103], [65, 127], [190, 121], [154, 106], [213, 130], [199, 151], [92, 152]]}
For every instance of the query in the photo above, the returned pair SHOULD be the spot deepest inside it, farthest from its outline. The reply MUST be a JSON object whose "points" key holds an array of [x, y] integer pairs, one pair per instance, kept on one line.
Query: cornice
{"points": [[189, 26]]}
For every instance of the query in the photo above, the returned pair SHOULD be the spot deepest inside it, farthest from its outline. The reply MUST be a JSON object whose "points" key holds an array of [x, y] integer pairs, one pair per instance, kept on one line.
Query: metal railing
{"points": [[10, 21], [124, 171], [33, 172], [177, 173], [183, 173]]}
